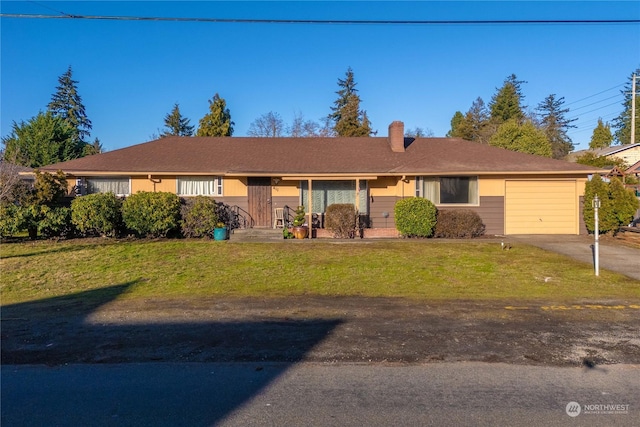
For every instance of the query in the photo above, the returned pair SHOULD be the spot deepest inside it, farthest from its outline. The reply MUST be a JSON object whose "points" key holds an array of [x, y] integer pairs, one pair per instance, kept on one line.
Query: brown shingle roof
{"points": [[312, 156]]}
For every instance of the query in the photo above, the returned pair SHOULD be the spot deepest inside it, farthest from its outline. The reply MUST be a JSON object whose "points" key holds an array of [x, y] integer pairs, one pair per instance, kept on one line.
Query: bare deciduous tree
{"points": [[269, 125], [12, 186]]}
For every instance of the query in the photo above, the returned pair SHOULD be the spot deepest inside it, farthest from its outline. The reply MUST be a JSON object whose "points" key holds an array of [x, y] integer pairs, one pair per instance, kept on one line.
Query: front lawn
{"points": [[417, 269]]}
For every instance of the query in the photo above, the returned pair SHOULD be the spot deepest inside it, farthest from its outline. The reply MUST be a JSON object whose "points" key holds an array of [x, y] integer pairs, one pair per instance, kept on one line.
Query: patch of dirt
{"points": [[319, 329]]}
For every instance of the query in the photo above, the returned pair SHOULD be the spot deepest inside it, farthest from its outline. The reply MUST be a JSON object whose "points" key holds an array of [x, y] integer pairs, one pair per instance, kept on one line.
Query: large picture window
{"points": [[120, 186], [199, 186], [446, 190], [326, 193]]}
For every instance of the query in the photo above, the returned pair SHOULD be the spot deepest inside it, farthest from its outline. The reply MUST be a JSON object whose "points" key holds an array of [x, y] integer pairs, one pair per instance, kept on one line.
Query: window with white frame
{"points": [[199, 185], [445, 190], [326, 193], [118, 185]]}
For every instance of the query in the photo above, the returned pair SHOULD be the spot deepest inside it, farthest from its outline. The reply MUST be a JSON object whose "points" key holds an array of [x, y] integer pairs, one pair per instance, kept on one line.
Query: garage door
{"points": [[541, 207]]}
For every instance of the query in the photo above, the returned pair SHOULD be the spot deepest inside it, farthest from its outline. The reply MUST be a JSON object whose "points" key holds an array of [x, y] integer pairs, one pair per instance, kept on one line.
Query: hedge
{"points": [[415, 217]]}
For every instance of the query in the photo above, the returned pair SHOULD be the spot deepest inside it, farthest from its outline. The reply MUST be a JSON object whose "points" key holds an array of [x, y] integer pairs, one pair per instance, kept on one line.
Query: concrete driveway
{"points": [[615, 257]]}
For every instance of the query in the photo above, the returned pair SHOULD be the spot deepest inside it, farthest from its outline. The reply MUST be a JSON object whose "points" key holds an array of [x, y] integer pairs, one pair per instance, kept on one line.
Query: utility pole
{"points": [[633, 110], [596, 246]]}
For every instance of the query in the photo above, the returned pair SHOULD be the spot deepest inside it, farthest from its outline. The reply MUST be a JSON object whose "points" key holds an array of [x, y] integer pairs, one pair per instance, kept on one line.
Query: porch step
{"points": [[256, 235]]}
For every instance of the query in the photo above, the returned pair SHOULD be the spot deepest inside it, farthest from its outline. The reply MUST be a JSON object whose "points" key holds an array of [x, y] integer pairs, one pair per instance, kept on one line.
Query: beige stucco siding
{"points": [[541, 207], [155, 183], [234, 187], [490, 187], [385, 187], [286, 189]]}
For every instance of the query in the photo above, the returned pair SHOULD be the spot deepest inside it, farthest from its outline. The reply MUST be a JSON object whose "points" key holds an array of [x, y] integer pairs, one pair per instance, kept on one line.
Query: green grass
{"points": [[415, 269]]}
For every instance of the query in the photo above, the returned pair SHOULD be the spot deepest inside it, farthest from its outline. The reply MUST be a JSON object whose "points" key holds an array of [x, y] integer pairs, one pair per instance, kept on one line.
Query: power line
{"points": [[597, 102], [595, 94], [47, 7], [596, 109], [322, 21]]}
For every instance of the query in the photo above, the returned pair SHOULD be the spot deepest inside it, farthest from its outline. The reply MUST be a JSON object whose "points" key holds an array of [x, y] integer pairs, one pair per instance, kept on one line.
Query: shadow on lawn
{"points": [[60, 331], [40, 249]]}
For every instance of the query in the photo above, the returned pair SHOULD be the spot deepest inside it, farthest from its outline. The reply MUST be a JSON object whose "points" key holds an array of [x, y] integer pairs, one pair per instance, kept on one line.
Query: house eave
{"points": [[337, 175]]}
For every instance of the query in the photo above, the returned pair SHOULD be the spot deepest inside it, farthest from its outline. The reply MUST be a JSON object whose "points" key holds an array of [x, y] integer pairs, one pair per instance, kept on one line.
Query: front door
{"points": [[260, 201]]}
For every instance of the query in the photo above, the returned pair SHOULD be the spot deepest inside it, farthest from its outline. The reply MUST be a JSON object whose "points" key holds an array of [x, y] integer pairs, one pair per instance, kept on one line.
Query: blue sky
{"points": [[130, 73]]}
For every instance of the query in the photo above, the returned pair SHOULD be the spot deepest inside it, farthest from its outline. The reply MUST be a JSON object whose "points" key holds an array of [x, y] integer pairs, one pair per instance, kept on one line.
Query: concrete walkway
{"points": [[615, 257]]}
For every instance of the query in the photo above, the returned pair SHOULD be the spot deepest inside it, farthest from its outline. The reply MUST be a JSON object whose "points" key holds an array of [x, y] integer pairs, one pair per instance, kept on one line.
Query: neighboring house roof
{"points": [[607, 151], [634, 169], [615, 171], [313, 156]]}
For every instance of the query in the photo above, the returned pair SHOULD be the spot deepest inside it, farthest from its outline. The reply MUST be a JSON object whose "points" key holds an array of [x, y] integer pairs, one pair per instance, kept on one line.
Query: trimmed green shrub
{"points": [[415, 217], [97, 214], [9, 220], [341, 219], [459, 223], [55, 222], [151, 214], [199, 217]]}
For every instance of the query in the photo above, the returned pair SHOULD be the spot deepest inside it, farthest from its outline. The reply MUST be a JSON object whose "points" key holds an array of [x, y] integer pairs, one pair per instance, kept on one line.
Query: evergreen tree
{"points": [[347, 118], [94, 148], [602, 136], [590, 159], [555, 125], [606, 219], [175, 124], [475, 125], [622, 123], [268, 125], [454, 132], [617, 205], [218, 121], [625, 202], [66, 103], [506, 104], [45, 139], [525, 138]]}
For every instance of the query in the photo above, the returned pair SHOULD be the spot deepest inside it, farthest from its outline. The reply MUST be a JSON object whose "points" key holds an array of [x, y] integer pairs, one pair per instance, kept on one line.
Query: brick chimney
{"points": [[396, 136]]}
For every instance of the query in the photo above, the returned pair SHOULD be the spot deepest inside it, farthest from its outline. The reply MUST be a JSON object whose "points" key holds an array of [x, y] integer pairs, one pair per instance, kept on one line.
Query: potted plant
{"points": [[221, 231], [300, 229]]}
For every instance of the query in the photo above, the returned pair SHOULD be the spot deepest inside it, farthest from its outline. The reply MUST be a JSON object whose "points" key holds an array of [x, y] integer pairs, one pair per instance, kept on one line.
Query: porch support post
{"points": [[357, 204], [310, 204]]}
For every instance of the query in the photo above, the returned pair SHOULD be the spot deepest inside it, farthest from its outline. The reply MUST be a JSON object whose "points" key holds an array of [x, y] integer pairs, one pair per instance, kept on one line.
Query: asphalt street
{"points": [[306, 394]]}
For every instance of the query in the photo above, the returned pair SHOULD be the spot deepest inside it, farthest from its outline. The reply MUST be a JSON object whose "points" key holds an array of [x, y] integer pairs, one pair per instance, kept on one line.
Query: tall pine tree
{"points": [[555, 124], [346, 116], [66, 103], [622, 123], [506, 104], [175, 124], [218, 121], [601, 137], [456, 121]]}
